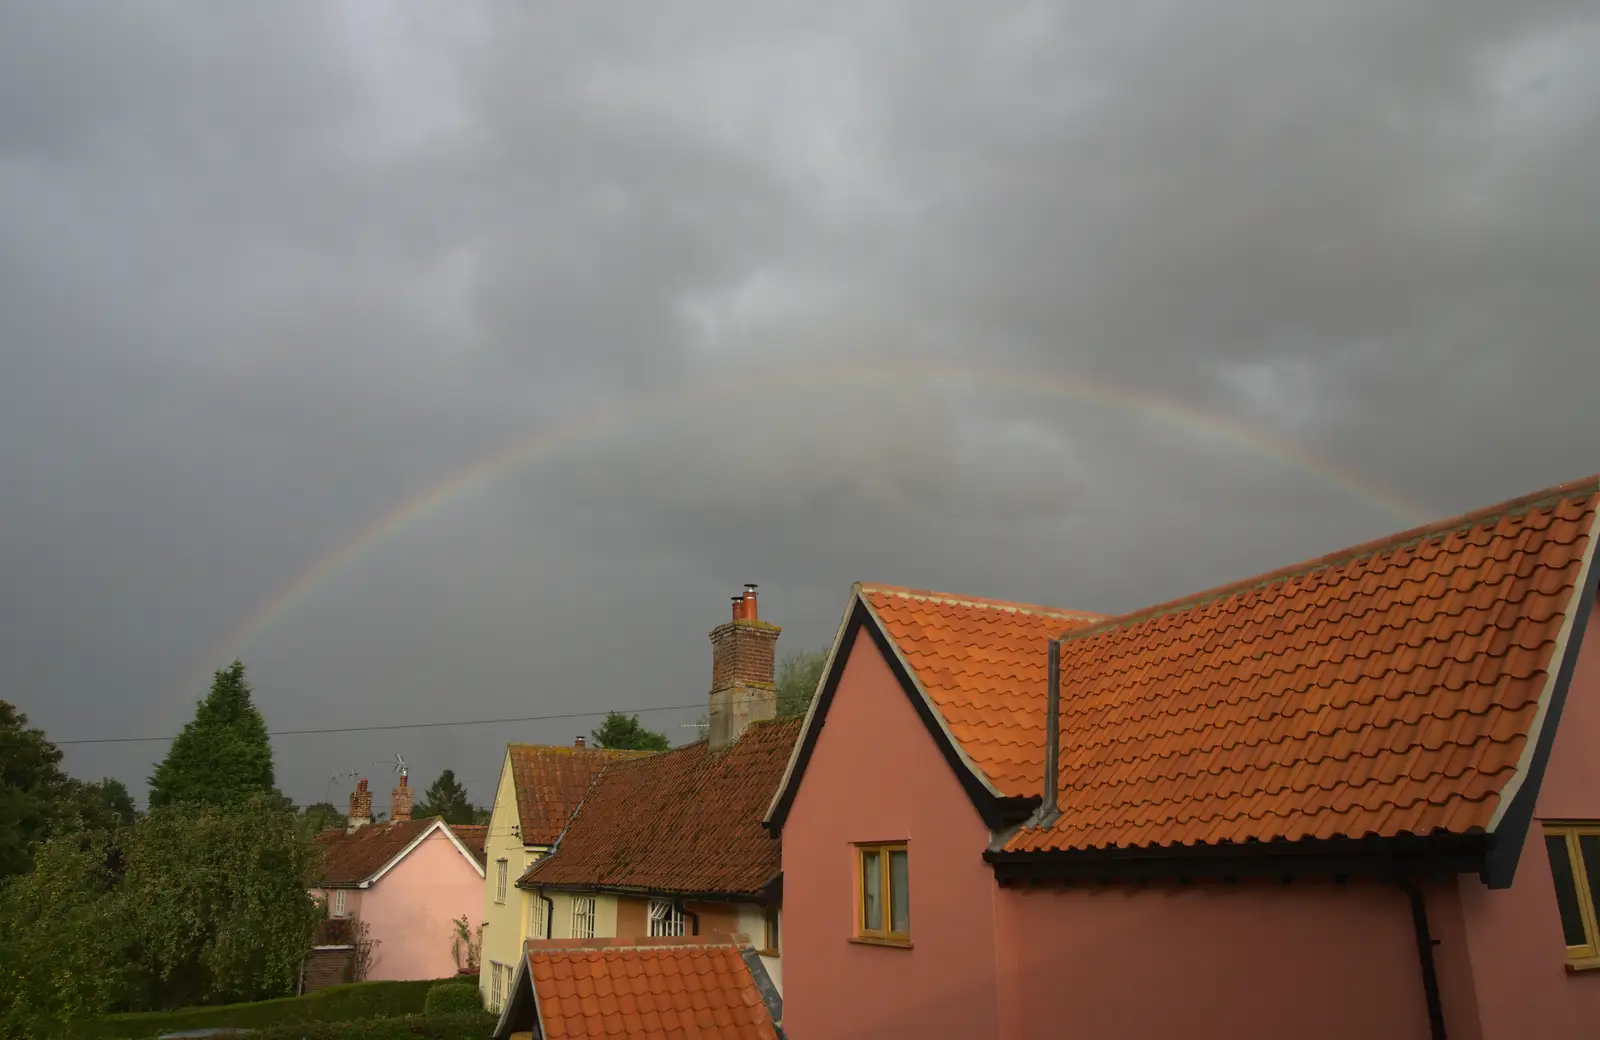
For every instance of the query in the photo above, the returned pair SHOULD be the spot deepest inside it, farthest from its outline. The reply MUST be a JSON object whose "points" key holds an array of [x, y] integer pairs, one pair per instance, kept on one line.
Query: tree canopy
{"points": [[799, 673], [626, 732], [216, 899], [64, 950], [446, 797], [320, 816], [223, 755], [38, 800], [190, 904]]}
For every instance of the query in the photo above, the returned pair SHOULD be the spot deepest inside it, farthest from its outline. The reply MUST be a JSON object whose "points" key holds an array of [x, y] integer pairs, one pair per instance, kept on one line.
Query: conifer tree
{"points": [[223, 756]]}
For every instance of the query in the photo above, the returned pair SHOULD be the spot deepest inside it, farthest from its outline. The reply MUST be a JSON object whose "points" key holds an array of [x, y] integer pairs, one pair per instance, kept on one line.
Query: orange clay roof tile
{"points": [[982, 663], [550, 781], [1388, 689], [662, 989]]}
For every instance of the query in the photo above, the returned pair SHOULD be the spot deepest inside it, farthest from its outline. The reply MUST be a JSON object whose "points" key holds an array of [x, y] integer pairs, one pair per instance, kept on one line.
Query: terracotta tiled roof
{"points": [[685, 820], [550, 781], [473, 836], [1394, 688], [661, 989], [349, 859], [982, 663]]}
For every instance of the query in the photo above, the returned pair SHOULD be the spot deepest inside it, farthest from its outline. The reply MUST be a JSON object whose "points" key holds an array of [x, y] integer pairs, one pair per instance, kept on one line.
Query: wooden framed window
{"points": [[338, 902], [497, 993], [770, 923], [666, 917], [583, 917], [1574, 851], [501, 870], [883, 893]]}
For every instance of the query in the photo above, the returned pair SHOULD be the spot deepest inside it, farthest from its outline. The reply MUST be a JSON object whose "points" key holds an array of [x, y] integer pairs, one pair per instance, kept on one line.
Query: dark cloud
{"points": [[941, 295]]}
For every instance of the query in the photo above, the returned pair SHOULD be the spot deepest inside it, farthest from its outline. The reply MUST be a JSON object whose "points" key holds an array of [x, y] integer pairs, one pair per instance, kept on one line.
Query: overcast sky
{"points": [[1082, 303]]}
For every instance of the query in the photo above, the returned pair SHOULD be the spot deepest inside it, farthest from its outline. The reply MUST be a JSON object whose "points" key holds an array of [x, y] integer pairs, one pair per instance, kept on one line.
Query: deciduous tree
{"points": [[218, 897], [321, 816], [799, 672], [38, 800], [64, 944]]}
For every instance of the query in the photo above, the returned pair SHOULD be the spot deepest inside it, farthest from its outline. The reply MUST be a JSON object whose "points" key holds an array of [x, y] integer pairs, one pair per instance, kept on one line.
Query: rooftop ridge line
{"points": [[1586, 487], [1010, 608]]}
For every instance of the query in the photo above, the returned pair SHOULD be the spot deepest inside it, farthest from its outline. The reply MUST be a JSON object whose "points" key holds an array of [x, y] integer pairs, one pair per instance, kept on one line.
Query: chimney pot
{"points": [[578, 742]]}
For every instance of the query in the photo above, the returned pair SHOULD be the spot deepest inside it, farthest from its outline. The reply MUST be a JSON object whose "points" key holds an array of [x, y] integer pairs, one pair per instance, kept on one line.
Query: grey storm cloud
{"points": [[458, 362]]}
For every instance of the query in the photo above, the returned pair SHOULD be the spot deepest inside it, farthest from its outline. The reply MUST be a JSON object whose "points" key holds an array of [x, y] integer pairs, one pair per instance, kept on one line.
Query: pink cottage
{"points": [[1356, 797], [406, 881]]}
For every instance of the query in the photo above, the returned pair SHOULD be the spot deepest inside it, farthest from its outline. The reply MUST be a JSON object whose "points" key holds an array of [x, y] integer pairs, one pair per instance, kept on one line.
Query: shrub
{"points": [[355, 1000], [466, 1025], [452, 997]]}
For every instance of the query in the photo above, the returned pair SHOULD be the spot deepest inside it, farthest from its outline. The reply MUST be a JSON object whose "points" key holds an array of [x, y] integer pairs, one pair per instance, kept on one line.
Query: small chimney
{"points": [[742, 667], [360, 808], [578, 742], [400, 802]]}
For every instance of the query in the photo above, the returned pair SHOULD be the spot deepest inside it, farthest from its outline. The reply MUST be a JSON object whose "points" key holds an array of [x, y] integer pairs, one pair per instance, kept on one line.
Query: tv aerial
{"points": [[333, 778], [399, 765]]}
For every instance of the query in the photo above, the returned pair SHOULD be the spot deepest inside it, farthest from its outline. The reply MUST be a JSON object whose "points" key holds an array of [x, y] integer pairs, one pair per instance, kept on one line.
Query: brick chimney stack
{"points": [[360, 808], [743, 659], [578, 742], [400, 801]]}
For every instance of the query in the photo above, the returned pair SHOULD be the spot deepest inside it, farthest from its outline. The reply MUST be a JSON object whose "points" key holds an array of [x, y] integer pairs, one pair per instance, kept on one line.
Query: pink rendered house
{"points": [[1357, 797], [406, 880]]}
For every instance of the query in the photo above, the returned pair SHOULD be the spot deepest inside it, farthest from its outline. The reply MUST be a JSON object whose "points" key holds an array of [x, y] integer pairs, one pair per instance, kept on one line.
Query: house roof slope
{"points": [[350, 859], [473, 836], [648, 990], [686, 820], [550, 781], [1396, 688], [981, 663]]}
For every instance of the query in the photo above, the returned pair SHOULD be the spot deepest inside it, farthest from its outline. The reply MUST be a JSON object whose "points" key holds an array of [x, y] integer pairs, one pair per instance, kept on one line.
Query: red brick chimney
{"points": [[578, 742], [743, 659], [360, 807], [400, 802]]}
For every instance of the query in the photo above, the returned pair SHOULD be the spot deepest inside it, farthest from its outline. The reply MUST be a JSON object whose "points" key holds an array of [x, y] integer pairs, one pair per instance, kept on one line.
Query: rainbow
{"points": [[921, 373]]}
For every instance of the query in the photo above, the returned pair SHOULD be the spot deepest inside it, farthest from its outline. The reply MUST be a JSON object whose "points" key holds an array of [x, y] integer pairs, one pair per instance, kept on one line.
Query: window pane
{"points": [[1555, 845], [1589, 845], [871, 892], [899, 893]]}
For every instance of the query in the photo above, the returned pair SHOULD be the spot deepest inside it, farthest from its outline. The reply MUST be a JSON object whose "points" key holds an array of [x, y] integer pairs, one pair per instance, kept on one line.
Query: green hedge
{"points": [[355, 1000], [470, 1025], [452, 998]]}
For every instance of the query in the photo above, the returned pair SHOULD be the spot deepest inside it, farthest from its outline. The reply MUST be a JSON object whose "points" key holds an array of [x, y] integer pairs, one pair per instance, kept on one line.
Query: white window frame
{"points": [[536, 923], [583, 917], [338, 902], [501, 871], [497, 993], [666, 918]]}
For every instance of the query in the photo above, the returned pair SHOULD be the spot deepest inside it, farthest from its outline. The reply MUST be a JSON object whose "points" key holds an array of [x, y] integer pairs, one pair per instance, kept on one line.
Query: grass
{"points": [[355, 1000]]}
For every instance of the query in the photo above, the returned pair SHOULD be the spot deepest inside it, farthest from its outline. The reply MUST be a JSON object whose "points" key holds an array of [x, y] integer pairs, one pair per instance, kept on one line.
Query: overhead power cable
{"points": [[407, 725]]}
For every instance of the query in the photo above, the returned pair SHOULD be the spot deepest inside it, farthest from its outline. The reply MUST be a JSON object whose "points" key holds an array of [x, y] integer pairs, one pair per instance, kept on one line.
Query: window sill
{"points": [[873, 940], [1587, 964], [769, 953]]}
